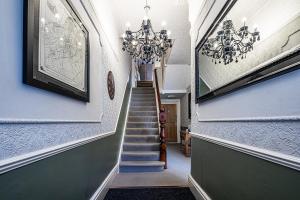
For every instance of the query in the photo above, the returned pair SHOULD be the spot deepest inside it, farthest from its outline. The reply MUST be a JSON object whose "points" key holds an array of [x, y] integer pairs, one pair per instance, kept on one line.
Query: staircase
{"points": [[141, 148]]}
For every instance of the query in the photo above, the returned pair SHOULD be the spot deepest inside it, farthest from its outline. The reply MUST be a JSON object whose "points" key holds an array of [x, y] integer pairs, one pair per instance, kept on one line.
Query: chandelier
{"points": [[146, 45], [229, 45]]}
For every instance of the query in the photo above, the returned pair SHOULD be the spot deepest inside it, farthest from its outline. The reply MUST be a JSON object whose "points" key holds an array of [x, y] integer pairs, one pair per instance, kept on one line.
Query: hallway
{"points": [[98, 98]]}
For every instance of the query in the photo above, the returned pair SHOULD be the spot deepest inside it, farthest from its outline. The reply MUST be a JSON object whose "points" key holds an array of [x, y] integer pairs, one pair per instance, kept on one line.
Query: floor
{"points": [[176, 175]]}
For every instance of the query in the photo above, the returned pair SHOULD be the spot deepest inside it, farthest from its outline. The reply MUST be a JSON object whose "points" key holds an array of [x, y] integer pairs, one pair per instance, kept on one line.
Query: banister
{"points": [[162, 122]]}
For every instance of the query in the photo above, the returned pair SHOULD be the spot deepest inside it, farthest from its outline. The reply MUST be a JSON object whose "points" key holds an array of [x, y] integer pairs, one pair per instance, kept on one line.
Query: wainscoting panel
{"points": [[71, 175], [226, 174]]}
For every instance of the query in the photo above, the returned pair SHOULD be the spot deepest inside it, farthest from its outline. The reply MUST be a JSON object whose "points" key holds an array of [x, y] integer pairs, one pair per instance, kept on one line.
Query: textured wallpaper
{"points": [[18, 139]]}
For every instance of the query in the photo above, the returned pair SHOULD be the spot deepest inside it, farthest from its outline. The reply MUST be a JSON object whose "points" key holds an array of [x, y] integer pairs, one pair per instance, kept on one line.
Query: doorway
{"points": [[171, 122]]}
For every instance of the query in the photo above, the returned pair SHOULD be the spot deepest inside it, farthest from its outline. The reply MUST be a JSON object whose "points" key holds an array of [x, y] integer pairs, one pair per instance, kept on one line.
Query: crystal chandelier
{"points": [[145, 45], [229, 45]]}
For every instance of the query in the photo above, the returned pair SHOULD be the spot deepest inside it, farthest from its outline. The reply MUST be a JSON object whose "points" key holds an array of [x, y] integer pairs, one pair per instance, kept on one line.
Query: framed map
{"points": [[56, 48]]}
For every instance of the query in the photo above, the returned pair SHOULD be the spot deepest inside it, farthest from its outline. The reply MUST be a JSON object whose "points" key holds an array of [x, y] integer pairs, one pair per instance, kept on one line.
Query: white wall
{"points": [[185, 121], [177, 77], [20, 102], [265, 115]]}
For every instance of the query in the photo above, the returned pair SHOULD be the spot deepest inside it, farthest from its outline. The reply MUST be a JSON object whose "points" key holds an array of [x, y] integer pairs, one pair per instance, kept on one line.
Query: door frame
{"points": [[177, 102]]}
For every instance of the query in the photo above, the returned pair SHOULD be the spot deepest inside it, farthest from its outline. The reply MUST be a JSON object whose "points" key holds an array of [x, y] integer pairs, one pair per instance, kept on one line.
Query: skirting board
{"points": [[198, 192], [103, 188]]}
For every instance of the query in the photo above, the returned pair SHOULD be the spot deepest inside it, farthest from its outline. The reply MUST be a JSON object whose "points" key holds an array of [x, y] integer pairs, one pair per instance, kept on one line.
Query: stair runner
{"points": [[141, 142]]}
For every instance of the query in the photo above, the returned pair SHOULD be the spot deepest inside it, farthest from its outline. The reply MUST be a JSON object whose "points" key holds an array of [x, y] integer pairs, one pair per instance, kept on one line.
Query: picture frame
{"points": [[56, 48], [276, 66]]}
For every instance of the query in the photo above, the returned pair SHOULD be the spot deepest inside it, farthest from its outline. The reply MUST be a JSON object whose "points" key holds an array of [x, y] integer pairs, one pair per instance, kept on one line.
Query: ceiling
{"points": [[174, 12]]}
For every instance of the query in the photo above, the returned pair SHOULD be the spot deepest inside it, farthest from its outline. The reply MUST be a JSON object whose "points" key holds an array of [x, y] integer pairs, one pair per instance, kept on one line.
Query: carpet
{"points": [[155, 193]]}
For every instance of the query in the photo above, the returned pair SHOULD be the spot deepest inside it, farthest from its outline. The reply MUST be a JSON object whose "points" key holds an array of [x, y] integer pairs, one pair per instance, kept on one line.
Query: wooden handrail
{"points": [[162, 122]]}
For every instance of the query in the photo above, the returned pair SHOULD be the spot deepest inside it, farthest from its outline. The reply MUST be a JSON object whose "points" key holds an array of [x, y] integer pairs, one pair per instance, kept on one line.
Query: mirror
{"points": [[247, 43]]}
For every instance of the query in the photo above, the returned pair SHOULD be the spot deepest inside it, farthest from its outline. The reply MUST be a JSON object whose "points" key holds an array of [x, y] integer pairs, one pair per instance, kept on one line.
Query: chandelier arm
{"points": [[219, 53], [242, 44]]}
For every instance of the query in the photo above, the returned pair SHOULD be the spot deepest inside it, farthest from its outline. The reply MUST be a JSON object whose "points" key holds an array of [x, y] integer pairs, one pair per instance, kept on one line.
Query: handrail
{"points": [[162, 121]]}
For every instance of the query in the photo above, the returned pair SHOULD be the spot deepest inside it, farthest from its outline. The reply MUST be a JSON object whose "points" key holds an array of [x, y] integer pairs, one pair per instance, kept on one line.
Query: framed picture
{"points": [[56, 48], [247, 43]]}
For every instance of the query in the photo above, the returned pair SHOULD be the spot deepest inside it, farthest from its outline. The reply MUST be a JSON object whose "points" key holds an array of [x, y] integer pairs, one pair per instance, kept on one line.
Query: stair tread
{"points": [[149, 94], [142, 143], [142, 163], [143, 111], [143, 99], [140, 135], [138, 153], [142, 128], [143, 106], [142, 116], [148, 101], [132, 122]]}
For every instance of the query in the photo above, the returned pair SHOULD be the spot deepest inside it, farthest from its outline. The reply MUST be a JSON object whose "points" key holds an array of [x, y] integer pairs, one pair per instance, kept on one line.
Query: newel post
{"points": [[163, 145]]}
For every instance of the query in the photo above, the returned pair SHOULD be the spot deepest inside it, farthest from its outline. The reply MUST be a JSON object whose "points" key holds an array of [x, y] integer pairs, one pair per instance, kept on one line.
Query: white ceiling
{"points": [[174, 12]]}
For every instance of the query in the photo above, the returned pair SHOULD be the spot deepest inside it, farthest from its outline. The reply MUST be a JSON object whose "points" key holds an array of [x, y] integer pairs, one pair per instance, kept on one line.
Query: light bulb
{"points": [[255, 26], [134, 42], [57, 16], [169, 32], [127, 24], [244, 19], [43, 20], [163, 23], [123, 35]]}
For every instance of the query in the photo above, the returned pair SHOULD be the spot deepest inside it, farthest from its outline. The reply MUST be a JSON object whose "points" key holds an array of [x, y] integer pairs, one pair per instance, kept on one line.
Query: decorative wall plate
{"points": [[111, 85]]}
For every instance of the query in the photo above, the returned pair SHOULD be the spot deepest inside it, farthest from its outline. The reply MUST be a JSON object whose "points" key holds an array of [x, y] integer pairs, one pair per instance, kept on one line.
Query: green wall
{"points": [[226, 174], [72, 175]]}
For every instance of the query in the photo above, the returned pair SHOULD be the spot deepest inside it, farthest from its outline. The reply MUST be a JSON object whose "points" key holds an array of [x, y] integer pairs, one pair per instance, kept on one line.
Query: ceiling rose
{"points": [[145, 45]]}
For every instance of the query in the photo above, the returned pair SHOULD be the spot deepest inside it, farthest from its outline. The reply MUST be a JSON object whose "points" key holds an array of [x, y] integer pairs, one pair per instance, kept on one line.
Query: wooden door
{"points": [[171, 123]]}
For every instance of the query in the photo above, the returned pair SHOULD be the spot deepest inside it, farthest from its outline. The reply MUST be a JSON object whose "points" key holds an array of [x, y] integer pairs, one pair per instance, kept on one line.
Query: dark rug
{"points": [[159, 193]]}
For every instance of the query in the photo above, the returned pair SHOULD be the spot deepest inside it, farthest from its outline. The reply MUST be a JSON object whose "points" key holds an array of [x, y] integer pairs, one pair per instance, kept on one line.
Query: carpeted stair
{"points": [[141, 142]]}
